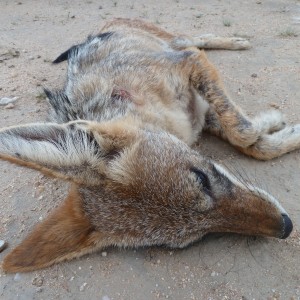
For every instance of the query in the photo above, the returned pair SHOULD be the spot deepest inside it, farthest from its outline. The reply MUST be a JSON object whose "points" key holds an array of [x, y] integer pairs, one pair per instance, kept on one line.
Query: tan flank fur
{"points": [[135, 100]]}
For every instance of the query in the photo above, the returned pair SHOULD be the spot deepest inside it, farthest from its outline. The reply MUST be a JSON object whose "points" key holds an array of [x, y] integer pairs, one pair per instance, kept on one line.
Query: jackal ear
{"points": [[65, 234], [75, 151]]}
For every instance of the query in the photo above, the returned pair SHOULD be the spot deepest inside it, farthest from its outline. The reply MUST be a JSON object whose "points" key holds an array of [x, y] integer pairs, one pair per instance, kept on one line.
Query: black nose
{"points": [[287, 226]]}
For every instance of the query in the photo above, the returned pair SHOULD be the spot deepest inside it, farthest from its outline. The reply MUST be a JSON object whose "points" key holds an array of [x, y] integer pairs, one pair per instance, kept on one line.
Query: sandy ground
{"points": [[220, 266]]}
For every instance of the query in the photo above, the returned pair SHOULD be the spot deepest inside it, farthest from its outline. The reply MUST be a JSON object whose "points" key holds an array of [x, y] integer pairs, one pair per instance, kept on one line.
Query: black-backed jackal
{"points": [[135, 100]]}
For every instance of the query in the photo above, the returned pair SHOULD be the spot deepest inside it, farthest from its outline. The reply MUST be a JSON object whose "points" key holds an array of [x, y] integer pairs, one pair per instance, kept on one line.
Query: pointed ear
{"points": [[65, 234], [75, 151]]}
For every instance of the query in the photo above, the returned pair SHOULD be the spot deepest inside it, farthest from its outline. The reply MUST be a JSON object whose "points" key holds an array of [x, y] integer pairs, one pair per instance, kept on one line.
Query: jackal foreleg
{"points": [[263, 137]]}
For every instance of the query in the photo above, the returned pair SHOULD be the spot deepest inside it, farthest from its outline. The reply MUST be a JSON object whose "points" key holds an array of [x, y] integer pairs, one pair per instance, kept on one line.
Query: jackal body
{"points": [[135, 100], [142, 76]]}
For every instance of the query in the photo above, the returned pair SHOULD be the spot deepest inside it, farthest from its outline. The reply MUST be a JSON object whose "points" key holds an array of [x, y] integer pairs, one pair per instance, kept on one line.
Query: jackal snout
{"points": [[243, 208]]}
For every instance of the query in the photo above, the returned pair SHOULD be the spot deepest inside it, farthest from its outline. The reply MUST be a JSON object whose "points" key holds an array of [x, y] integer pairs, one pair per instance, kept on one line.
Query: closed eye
{"points": [[203, 180]]}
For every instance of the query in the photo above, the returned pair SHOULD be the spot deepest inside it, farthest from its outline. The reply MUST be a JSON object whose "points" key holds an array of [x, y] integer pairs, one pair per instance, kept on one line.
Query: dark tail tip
{"points": [[48, 93], [64, 56]]}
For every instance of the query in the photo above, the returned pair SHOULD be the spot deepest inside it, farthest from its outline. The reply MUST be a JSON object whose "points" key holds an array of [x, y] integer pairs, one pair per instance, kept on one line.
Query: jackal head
{"points": [[132, 186]]}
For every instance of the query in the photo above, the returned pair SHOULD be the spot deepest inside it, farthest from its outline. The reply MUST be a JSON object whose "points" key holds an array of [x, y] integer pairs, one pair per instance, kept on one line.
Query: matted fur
{"points": [[135, 100]]}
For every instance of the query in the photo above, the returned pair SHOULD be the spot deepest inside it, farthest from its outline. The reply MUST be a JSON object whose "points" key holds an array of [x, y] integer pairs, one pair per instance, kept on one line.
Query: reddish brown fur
{"points": [[65, 234], [138, 24]]}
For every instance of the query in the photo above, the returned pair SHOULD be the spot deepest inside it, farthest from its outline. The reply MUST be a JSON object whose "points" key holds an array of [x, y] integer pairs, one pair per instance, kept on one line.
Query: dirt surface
{"points": [[220, 266]]}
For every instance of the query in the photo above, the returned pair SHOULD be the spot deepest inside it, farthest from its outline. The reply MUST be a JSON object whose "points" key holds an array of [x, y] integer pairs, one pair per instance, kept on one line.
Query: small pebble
{"points": [[104, 254], [3, 245], [82, 287], [17, 277], [39, 289], [254, 75], [274, 105], [38, 281], [9, 106], [72, 278], [7, 100]]}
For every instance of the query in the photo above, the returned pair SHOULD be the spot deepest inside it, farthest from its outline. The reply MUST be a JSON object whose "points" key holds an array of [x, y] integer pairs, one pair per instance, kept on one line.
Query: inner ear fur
{"points": [[76, 151], [115, 135], [65, 234]]}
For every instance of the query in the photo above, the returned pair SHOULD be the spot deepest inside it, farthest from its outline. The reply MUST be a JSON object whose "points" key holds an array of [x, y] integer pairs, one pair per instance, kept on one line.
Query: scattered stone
{"points": [[39, 289], [8, 53], [3, 245], [198, 16], [38, 281], [213, 274], [104, 253], [7, 100], [274, 105], [254, 75], [17, 277], [9, 106], [72, 278], [40, 95], [296, 20], [82, 287]]}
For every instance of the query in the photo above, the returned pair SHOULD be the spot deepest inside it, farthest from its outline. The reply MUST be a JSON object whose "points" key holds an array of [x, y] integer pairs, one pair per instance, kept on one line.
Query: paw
{"points": [[269, 122], [240, 43]]}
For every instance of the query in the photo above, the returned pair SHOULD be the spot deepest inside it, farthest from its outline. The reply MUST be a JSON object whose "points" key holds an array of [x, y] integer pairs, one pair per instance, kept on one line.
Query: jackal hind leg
{"points": [[210, 41], [264, 137], [180, 42]]}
